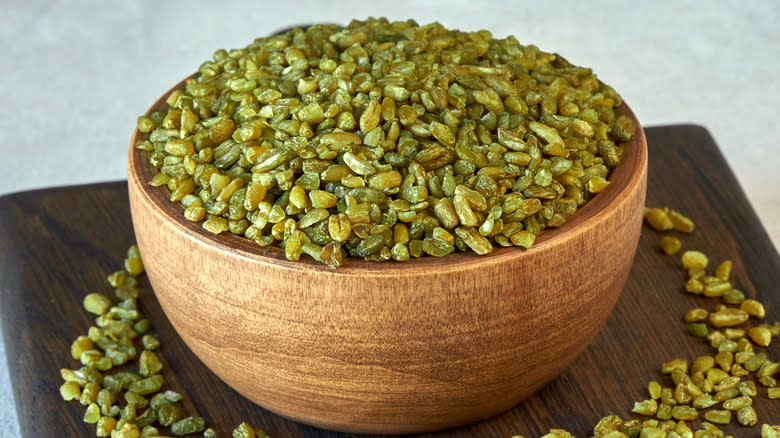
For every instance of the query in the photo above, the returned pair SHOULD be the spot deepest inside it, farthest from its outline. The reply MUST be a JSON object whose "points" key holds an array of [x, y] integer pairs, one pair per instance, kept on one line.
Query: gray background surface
{"points": [[76, 75]]}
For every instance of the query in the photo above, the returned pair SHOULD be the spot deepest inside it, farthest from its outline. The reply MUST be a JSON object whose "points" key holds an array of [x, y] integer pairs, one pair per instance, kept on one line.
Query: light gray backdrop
{"points": [[76, 74]]}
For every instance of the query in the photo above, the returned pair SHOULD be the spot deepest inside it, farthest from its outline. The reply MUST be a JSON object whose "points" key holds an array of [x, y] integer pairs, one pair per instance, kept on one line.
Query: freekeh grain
{"points": [[361, 117]]}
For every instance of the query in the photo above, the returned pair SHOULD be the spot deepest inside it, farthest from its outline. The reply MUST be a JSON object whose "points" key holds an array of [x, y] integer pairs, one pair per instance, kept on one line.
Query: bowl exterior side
{"points": [[407, 350]]}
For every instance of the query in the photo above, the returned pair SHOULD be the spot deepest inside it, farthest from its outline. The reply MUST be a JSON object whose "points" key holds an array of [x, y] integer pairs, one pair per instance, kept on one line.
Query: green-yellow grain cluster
{"points": [[326, 141]]}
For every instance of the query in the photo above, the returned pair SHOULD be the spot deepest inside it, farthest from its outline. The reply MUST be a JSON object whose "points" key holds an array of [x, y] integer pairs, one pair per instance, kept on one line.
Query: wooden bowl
{"points": [[391, 347]]}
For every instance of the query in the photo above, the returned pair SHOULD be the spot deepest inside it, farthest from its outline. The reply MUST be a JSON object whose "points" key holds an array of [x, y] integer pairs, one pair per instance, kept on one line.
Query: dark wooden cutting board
{"points": [[57, 245]]}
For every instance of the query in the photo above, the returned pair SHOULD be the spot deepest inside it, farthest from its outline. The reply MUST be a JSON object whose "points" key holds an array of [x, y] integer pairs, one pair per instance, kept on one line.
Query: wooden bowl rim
{"points": [[624, 179]]}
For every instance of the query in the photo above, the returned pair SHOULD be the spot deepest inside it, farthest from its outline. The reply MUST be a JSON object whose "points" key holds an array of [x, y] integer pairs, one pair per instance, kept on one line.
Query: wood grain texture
{"points": [[57, 245], [391, 347]]}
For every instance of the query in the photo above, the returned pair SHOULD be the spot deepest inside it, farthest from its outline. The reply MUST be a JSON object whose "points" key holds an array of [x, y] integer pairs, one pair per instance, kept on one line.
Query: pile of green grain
{"points": [[385, 141]]}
